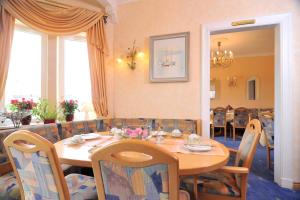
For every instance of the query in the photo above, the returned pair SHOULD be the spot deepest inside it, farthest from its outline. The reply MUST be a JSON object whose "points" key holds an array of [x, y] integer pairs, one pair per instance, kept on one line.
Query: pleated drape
{"points": [[61, 21], [96, 48], [7, 24]]}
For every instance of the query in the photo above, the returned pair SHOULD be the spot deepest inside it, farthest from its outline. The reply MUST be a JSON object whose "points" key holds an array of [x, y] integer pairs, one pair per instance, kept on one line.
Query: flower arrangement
{"points": [[23, 105], [20, 111], [68, 108], [137, 133]]}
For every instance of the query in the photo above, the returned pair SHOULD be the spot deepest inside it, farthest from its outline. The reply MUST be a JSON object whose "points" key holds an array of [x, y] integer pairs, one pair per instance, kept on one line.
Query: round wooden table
{"points": [[189, 163]]}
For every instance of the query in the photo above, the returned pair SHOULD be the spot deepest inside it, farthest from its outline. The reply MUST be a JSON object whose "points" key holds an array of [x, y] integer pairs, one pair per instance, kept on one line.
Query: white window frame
{"points": [[61, 64], [44, 61]]}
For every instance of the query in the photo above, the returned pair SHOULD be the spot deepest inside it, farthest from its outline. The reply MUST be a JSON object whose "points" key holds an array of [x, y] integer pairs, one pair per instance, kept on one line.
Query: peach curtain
{"points": [[68, 21], [96, 48], [7, 23]]}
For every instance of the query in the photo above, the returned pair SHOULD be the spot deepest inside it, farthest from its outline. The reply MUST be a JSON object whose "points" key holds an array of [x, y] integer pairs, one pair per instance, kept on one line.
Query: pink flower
{"points": [[139, 131], [145, 133]]}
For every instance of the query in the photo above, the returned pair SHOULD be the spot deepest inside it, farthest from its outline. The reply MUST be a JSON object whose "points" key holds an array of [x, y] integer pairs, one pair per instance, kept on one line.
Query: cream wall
{"points": [[261, 67], [134, 96]]}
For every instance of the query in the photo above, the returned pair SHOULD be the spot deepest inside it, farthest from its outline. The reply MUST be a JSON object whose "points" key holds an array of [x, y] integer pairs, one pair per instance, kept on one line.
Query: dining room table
{"points": [[190, 162]]}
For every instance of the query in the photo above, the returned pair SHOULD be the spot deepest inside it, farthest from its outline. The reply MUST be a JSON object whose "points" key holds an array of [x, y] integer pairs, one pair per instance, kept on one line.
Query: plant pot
{"points": [[69, 117], [49, 121], [26, 120]]}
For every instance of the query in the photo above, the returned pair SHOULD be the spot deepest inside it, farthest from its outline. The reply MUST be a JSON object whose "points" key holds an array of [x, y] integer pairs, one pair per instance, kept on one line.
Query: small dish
{"points": [[76, 139], [198, 148], [158, 133], [90, 136]]}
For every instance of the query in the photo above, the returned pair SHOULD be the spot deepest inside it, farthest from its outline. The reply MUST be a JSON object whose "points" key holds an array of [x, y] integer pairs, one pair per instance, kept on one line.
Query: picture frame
{"points": [[169, 57]]}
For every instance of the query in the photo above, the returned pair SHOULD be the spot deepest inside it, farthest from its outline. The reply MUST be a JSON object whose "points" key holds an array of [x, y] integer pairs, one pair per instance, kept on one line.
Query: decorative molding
{"points": [[121, 2], [284, 132], [110, 7], [254, 55]]}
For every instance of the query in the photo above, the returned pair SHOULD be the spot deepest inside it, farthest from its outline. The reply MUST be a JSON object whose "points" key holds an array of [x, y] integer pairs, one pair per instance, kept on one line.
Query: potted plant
{"points": [[45, 111], [21, 111], [68, 108]]}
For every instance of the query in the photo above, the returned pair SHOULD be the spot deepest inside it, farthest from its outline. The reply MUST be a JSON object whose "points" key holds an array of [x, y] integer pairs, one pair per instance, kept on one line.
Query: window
{"points": [[252, 89], [212, 91], [25, 69], [75, 75]]}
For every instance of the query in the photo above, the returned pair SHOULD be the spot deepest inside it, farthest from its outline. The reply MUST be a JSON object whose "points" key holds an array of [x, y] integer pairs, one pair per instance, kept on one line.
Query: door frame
{"points": [[283, 133]]}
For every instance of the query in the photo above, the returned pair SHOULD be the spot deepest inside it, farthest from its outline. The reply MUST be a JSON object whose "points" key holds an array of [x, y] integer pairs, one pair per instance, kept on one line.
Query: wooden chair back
{"points": [[36, 150], [129, 154], [219, 117], [248, 144]]}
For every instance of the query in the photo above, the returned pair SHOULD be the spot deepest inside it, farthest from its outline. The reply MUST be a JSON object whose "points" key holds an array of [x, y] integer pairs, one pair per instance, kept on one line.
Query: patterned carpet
{"points": [[260, 182]]}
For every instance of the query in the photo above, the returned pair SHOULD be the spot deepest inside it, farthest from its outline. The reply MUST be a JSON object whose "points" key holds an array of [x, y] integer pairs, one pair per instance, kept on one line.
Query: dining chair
{"points": [[253, 113], [240, 119], [267, 124], [219, 121], [228, 182], [134, 169], [38, 173]]}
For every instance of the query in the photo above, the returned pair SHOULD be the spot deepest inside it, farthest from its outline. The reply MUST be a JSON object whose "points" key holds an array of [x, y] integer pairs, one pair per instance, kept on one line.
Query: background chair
{"points": [[149, 172], [219, 121], [229, 182], [240, 119], [267, 124], [253, 113], [38, 173]]}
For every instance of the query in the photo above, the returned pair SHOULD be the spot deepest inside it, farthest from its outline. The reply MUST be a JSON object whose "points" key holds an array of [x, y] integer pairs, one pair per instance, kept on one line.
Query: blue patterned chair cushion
{"points": [[81, 187], [134, 183], [9, 189], [69, 129], [136, 122], [219, 118], [268, 127], [117, 122], [167, 125], [187, 125], [48, 131], [241, 118], [213, 183], [36, 175], [3, 158]]}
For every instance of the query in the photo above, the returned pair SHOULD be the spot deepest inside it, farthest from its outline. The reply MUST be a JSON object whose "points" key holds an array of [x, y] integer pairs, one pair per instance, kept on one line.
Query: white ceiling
{"points": [[246, 43]]}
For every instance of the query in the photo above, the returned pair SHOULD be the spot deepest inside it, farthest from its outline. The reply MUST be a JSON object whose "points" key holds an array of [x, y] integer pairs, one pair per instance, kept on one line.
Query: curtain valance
{"points": [[57, 21]]}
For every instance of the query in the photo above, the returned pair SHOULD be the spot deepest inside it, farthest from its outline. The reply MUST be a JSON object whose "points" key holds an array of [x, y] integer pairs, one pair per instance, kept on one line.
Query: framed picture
{"points": [[169, 57]]}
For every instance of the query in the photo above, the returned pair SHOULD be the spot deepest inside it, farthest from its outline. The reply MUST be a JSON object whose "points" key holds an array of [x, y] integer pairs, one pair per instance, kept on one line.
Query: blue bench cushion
{"points": [[9, 189]]}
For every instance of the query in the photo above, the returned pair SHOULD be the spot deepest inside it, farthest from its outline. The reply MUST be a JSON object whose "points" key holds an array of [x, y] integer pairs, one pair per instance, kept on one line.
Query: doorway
{"points": [[283, 136], [242, 89]]}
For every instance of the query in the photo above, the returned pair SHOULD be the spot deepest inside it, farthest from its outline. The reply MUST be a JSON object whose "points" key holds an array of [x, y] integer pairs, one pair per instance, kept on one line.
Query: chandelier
{"points": [[222, 58]]}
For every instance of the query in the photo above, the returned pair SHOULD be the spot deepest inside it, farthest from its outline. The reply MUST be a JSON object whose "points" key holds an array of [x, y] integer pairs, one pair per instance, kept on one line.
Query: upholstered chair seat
{"points": [[80, 187], [9, 189], [217, 183]]}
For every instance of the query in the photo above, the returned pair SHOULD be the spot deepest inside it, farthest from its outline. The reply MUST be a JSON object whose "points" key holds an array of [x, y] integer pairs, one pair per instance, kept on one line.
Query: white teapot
{"points": [[176, 133], [193, 139]]}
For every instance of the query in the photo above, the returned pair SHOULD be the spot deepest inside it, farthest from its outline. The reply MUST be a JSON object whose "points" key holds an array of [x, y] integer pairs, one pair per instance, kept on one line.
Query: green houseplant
{"points": [[45, 111]]}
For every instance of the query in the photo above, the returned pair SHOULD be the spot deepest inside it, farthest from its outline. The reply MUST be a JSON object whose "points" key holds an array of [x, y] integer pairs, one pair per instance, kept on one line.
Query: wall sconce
{"points": [[131, 56], [232, 81]]}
